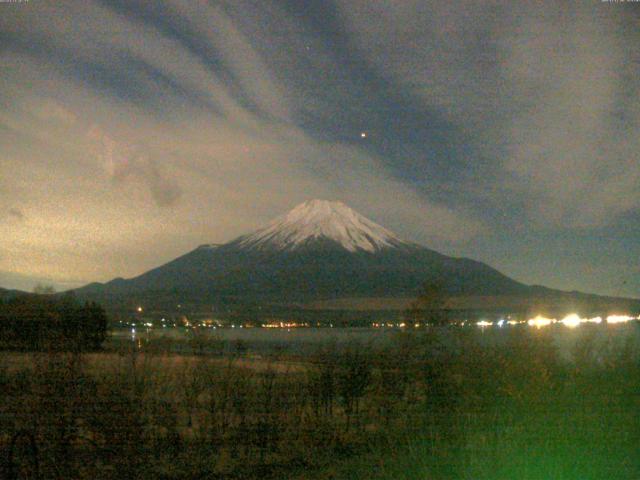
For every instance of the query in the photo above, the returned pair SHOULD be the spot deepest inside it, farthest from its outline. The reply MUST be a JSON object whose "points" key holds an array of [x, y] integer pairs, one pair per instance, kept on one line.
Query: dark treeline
{"points": [[48, 322]]}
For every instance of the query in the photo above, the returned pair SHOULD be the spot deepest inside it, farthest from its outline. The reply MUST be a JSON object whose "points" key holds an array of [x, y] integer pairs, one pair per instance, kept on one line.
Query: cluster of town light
{"points": [[286, 325], [214, 324], [572, 320], [392, 325]]}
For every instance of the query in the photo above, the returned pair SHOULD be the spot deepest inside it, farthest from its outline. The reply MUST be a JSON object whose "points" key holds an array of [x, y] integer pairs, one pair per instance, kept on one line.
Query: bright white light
{"points": [[513, 322], [363, 135], [484, 323], [501, 322], [540, 321], [139, 309], [619, 318], [571, 321]]}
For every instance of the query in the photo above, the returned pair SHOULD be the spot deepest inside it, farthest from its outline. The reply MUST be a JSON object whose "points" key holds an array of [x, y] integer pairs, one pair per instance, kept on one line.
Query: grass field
{"points": [[424, 406]]}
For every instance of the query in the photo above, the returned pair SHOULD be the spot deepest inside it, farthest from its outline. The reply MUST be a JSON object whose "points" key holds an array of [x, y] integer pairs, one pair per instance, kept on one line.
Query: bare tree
{"points": [[429, 307]]}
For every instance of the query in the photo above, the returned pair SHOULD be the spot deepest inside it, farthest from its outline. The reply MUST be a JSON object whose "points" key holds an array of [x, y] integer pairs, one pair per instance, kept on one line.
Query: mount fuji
{"points": [[321, 251]]}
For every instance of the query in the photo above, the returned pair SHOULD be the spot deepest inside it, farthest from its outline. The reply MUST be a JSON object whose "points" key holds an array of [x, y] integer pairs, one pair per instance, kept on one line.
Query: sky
{"points": [[133, 131]]}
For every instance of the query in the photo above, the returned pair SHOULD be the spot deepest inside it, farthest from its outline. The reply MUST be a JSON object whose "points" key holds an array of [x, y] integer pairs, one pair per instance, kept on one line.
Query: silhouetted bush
{"points": [[45, 322]]}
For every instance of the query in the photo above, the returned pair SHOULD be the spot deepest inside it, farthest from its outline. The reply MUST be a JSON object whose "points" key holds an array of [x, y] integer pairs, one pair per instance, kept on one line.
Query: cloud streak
{"points": [[545, 90], [14, 215], [188, 111], [126, 163], [127, 125]]}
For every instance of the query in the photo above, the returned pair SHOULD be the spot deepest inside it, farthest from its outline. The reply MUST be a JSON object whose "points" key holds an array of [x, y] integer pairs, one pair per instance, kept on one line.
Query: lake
{"points": [[307, 340]]}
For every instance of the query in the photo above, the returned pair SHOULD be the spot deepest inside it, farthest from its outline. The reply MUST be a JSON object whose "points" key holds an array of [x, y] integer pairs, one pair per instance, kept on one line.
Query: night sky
{"points": [[133, 131]]}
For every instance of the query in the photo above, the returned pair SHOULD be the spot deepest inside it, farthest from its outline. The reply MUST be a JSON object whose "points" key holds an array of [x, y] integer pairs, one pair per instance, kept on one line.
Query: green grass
{"points": [[588, 429], [418, 409]]}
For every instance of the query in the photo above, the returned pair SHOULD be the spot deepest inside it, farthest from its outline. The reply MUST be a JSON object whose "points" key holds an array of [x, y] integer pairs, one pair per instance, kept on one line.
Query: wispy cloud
{"points": [[546, 90], [126, 124], [114, 111], [128, 163], [14, 214], [48, 109]]}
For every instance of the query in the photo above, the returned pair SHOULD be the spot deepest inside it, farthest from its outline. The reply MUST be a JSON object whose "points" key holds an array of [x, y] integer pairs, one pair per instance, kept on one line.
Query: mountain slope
{"points": [[6, 294], [319, 250], [319, 253]]}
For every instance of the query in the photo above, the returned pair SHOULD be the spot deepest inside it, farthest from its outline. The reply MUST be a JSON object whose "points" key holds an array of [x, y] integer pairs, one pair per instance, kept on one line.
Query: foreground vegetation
{"points": [[443, 404], [45, 322]]}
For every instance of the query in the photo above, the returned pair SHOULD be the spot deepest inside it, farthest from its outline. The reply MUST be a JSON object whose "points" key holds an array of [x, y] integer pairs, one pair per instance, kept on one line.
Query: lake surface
{"points": [[605, 337]]}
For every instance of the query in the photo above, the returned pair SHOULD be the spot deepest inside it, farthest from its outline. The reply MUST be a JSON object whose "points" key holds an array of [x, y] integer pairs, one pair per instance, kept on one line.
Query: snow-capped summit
{"points": [[318, 251], [322, 219]]}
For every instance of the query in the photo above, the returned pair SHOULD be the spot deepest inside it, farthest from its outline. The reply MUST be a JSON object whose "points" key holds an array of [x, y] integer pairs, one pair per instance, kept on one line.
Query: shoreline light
{"points": [[484, 323], [572, 320], [619, 318], [540, 321]]}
